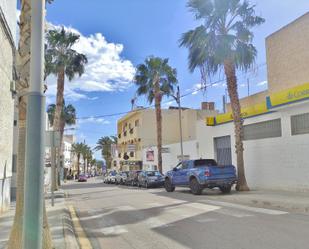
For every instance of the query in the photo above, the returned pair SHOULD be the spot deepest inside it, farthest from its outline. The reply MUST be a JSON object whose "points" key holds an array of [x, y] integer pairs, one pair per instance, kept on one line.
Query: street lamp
{"points": [[35, 133], [177, 99]]}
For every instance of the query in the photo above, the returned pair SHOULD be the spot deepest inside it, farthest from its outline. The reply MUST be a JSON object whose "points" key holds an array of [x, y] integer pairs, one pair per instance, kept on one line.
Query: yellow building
{"points": [[137, 130]]}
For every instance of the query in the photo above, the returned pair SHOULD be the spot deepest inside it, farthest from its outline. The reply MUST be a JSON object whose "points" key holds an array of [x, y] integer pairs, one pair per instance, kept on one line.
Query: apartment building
{"points": [[7, 52], [137, 131]]}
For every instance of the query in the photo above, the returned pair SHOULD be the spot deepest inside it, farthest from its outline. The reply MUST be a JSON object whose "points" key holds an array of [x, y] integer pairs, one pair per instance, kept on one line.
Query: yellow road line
{"points": [[80, 233]]}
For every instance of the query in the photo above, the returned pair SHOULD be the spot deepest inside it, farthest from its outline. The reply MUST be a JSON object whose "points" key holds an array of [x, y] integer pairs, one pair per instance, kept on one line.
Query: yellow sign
{"points": [[289, 96], [210, 121]]}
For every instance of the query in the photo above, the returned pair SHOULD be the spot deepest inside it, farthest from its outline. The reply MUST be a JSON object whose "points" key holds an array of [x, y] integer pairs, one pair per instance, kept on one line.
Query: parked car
{"points": [[118, 177], [132, 178], [82, 178], [200, 174], [150, 179], [123, 177], [110, 178]]}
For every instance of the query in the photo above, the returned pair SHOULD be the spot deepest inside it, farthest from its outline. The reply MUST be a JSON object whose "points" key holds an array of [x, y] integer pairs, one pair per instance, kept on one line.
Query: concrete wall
{"points": [[288, 55], [6, 108], [250, 100], [172, 157], [272, 163], [8, 8]]}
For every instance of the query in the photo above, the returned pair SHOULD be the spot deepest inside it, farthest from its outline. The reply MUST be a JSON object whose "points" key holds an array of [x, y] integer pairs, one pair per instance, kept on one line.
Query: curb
{"points": [[255, 201], [81, 237], [68, 231]]}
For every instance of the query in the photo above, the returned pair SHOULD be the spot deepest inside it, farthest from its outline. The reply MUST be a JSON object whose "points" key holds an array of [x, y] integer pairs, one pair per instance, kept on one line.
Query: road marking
{"points": [[233, 213], [80, 233], [247, 208], [114, 230]]}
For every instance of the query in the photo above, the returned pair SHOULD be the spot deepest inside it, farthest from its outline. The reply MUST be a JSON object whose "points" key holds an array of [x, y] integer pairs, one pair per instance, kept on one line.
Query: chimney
{"points": [[208, 106]]}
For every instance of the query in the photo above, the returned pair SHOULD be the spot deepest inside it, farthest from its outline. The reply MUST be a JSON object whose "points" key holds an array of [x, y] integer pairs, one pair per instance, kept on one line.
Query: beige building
{"points": [[137, 131], [287, 57], [7, 52]]}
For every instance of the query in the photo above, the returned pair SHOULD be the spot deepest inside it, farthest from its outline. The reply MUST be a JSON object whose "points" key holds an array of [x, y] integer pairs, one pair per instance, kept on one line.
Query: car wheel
{"points": [[195, 187], [168, 185], [226, 189]]}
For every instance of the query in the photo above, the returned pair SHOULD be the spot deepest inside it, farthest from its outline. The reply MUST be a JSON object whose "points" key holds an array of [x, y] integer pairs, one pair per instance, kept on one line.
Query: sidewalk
{"points": [[59, 222], [289, 201]]}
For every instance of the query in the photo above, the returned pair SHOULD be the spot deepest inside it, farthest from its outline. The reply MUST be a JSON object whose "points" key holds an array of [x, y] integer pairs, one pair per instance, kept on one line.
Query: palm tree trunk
{"points": [[23, 68], [159, 124], [230, 73], [59, 100], [57, 118], [78, 168]]}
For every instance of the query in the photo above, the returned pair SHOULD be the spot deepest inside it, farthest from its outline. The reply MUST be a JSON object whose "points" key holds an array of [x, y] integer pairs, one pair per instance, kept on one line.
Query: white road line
{"points": [[247, 208]]}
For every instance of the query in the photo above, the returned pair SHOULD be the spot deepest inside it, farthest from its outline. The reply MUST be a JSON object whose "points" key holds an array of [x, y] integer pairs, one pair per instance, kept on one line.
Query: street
{"points": [[123, 217]]}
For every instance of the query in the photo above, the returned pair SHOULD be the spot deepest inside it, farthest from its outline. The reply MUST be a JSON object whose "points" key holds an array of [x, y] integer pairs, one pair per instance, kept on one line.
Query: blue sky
{"points": [[118, 34]]}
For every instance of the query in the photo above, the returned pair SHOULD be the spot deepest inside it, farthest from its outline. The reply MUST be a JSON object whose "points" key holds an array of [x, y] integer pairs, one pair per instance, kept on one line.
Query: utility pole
{"points": [[248, 85], [35, 133], [177, 98]]}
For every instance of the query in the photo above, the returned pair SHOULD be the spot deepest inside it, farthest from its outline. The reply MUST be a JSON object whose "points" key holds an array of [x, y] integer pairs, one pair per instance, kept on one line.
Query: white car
{"points": [[110, 177]]}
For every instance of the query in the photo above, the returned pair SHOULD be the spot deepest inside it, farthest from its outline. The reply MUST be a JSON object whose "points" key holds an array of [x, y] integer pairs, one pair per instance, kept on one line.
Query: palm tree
{"points": [[68, 117], [224, 41], [62, 61], [22, 84], [78, 149], [155, 79], [87, 158], [104, 144]]}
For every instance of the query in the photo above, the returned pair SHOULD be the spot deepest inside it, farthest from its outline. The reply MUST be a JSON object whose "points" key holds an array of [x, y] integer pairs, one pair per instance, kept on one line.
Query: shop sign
{"points": [[288, 96]]}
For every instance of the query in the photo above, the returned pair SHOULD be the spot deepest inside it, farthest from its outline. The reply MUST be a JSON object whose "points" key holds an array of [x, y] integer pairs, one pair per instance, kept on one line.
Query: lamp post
{"points": [[177, 99], [35, 133]]}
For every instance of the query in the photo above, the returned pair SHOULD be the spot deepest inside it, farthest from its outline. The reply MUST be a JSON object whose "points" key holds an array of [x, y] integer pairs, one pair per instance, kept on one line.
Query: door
{"points": [[223, 151], [177, 174], [183, 173]]}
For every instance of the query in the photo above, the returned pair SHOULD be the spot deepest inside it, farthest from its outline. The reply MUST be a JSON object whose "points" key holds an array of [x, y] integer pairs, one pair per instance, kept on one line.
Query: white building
{"points": [[276, 121], [7, 48]]}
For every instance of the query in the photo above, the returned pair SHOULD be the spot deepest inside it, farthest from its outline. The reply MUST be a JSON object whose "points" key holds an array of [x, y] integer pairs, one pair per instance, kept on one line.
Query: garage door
{"points": [[223, 150]]}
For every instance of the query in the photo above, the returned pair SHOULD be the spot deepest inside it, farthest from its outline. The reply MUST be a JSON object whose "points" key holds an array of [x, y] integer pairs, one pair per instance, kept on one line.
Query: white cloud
{"points": [[106, 70], [94, 120], [262, 83]]}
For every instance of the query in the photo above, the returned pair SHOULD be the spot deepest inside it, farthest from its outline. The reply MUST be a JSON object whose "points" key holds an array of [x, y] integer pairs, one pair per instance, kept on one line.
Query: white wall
{"points": [[171, 159], [8, 8], [272, 163]]}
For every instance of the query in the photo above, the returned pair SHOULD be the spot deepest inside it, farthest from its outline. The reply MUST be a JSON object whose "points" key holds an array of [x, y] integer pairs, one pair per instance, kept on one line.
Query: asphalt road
{"points": [[119, 217]]}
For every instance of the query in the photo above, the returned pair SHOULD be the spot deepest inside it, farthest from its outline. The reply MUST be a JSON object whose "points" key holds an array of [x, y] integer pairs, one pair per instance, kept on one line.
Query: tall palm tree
{"points": [[104, 144], [68, 117], [224, 41], [78, 149], [155, 79], [22, 84], [62, 61]]}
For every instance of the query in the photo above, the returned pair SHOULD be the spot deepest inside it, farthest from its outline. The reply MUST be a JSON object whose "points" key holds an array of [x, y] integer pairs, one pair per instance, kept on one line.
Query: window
{"points": [[136, 123], [300, 124], [261, 130]]}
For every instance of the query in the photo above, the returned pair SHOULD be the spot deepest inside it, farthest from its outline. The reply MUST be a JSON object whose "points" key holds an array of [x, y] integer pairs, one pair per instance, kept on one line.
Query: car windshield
{"points": [[153, 173], [205, 162]]}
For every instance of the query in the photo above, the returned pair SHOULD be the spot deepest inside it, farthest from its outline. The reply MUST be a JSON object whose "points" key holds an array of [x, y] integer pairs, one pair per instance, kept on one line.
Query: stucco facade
{"points": [[7, 48], [137, 131], [288, 55]]}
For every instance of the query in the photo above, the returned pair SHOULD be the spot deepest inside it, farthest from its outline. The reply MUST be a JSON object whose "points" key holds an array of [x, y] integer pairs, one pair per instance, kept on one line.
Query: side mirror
{"points": [[175, 169]]}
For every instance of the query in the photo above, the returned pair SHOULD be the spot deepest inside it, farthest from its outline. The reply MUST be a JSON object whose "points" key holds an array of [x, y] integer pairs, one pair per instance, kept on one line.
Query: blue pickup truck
{"points": [[200, 174]]}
